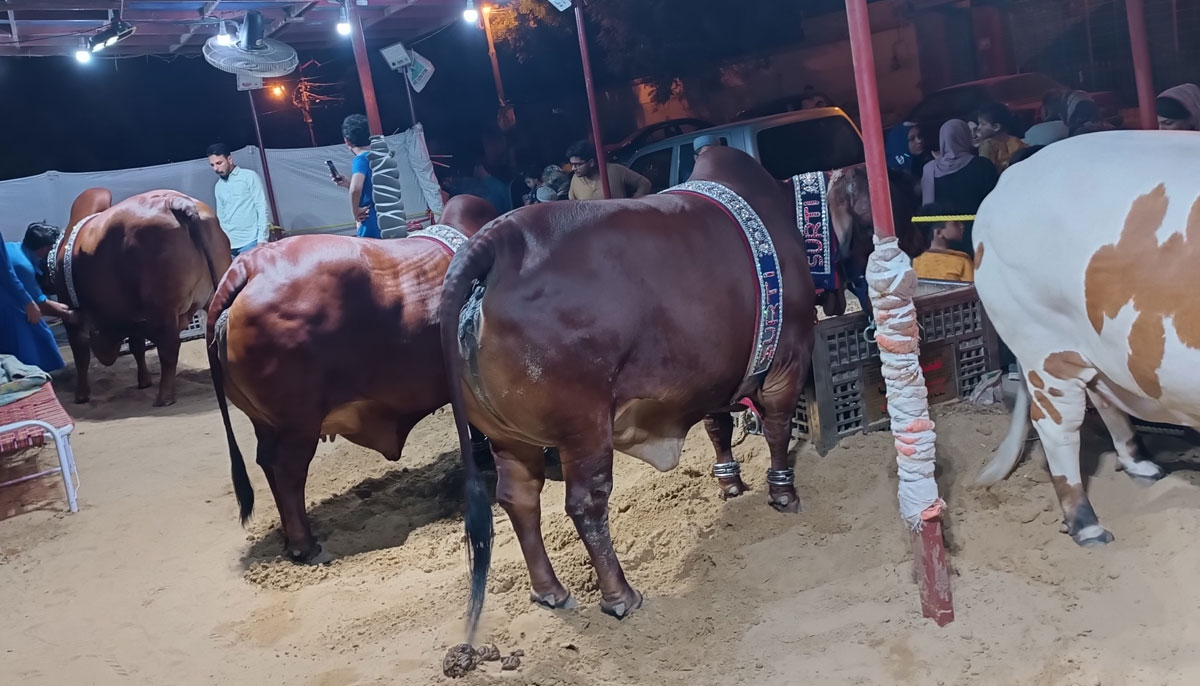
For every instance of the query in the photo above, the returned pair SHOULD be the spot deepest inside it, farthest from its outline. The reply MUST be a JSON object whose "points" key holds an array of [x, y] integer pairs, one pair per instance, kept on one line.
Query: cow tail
{"points": [[227, 291], [469, 266], [188, 214], [1005, 459]]}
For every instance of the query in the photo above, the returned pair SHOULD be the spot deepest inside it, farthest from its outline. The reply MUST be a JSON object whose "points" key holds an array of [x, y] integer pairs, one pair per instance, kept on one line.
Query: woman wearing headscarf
{"points": [[906, 149], [1179, 108], [956, 178], [1083, 115]]}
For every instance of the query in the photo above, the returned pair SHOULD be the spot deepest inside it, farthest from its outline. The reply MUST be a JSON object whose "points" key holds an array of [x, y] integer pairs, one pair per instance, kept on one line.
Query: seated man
{"points": [[941, 262]]}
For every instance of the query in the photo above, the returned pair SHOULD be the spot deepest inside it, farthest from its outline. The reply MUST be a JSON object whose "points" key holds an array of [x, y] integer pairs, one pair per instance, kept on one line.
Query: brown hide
{"points": [[617, 324], [331, 335], [141, 269]]}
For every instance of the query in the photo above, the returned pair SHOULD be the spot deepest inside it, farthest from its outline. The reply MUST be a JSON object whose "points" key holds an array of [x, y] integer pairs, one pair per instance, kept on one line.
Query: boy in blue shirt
{"points": [[357, 134]]}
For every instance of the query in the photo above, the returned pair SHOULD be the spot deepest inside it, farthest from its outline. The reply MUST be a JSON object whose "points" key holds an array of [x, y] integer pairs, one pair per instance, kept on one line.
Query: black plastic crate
{"points": [[846, 394]]}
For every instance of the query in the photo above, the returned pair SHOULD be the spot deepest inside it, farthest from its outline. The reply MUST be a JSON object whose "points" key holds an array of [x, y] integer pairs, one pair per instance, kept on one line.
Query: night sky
{"points": [[112, 114]]}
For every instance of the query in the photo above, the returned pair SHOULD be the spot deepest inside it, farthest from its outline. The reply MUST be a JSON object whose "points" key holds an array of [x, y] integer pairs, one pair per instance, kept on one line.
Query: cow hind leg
{"points": [[520, 475], [285, 458], [1057, 411], [588, 472], [778, 407], [137, 348], [726, 469], [1131, 452]]}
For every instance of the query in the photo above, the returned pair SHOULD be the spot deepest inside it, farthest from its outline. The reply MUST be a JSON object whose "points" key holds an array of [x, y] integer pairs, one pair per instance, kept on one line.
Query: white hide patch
{"points": [[1144, 469]]}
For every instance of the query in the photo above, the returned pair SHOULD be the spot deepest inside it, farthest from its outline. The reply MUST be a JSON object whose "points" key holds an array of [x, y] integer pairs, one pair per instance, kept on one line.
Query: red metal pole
{"points": [[364, 68], [1142, 69], [863, 53], [262, 152], [929, 548], [601, 158]]}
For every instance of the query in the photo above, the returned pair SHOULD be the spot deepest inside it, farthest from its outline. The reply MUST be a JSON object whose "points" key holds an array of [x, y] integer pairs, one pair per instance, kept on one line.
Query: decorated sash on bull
{"points": [[617, 326]]}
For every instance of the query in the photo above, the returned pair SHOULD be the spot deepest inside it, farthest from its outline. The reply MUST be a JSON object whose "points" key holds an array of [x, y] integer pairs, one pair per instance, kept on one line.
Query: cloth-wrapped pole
{"points": [[892, 283]]}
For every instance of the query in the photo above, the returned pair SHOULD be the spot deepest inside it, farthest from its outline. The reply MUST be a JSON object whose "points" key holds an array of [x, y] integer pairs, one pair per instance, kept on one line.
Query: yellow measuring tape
{"points": [[944, 218]]}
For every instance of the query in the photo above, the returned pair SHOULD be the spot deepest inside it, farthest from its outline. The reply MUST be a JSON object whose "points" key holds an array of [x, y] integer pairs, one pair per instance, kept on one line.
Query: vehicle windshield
{"points": [[806, 146]]}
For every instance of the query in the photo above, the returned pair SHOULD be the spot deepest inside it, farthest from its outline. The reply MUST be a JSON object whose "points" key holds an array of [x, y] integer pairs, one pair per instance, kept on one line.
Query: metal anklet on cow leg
{"points": [[781, 484], [729, 478], [727, 471]]}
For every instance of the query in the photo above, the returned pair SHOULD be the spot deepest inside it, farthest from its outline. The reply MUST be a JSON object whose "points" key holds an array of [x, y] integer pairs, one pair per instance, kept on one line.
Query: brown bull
{"points": [[140, 270], [618, 325], [319, 336]]}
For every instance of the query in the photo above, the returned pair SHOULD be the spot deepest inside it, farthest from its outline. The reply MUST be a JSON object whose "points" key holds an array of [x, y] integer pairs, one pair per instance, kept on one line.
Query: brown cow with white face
{"points": [[618, 325], [139, 270], [318, 336]]}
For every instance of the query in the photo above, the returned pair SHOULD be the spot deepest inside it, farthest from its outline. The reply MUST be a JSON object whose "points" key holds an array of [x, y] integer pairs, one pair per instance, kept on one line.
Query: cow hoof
{"points": [[1144, 472], [785, 501], [82, 399], [1093, 536], [164, 403], [549, 602], [143, 385], [622, 608], [308, 557], [732, 489]]}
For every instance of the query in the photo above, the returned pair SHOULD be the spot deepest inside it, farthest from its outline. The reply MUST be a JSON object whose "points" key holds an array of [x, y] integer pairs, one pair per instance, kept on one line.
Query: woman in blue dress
{"points": [[23, 333]]}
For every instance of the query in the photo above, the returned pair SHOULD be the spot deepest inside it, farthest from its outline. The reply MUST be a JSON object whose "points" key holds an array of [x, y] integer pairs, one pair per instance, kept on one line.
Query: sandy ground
{"points": [[153, 581]]}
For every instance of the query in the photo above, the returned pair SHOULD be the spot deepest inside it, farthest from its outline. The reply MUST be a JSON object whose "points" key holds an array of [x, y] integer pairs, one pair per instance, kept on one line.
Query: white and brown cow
{"points": [[1088, 263]]}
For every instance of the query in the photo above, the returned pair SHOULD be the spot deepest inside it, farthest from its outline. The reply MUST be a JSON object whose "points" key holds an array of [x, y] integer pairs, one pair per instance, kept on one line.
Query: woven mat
{"points": [[43, 406]]}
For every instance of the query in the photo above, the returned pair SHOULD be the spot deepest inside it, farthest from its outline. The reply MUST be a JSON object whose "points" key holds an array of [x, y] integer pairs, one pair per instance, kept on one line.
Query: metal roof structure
{"points": [[35, 28]]}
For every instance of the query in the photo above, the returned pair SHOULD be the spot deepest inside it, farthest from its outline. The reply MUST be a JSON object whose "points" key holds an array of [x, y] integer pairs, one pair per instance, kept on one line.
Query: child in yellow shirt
{"points": [[941, 262], [993, 131]]}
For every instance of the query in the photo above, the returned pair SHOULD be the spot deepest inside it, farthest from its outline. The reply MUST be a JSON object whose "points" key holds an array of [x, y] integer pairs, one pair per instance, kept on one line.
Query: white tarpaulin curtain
{"points": [[308, 201]]}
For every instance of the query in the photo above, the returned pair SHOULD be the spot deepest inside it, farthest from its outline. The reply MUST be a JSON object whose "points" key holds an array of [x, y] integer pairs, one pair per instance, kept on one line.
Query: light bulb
{"points": [[343, 26], [470, 15], [223, 38], [83, 56]]}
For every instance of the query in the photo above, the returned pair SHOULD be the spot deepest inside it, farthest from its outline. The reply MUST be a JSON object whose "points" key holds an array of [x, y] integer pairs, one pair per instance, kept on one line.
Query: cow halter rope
{"points": [[769, 281], [52, 260], [891, 283]]}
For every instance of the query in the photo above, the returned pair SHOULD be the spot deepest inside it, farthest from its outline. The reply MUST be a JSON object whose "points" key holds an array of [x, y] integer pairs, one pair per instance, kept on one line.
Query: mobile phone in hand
{"points": [[333, 172]]}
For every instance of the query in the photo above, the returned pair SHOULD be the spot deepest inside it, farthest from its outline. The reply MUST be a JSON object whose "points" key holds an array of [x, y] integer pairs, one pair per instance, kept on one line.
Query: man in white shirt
{"points": [[241, 201]]}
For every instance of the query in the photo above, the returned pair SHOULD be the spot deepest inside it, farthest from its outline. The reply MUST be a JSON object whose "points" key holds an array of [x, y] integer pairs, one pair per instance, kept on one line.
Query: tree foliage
{"points": [[662, 42]]}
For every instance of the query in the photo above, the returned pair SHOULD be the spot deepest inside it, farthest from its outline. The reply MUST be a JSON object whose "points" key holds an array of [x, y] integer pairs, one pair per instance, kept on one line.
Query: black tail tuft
{"points": [[241, 480]]}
